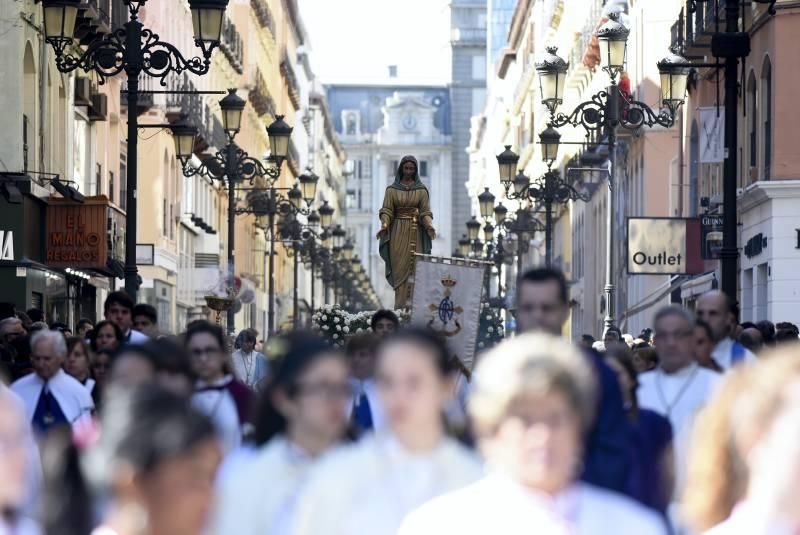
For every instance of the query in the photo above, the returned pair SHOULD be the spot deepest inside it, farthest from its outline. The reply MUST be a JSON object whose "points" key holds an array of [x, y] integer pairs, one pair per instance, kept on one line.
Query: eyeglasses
{"points": [[329, 391]]}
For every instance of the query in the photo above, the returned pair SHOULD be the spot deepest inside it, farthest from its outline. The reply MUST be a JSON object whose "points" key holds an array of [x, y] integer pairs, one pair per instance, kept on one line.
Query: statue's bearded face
{"points": [[409, 170]]}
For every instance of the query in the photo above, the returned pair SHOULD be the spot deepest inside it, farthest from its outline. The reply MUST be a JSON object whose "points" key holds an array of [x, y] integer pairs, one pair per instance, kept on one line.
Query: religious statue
{"points": [[406, 228]]}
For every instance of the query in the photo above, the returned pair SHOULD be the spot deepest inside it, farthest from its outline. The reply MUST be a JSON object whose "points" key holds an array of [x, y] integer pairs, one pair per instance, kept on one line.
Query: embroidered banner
{"points": [[447, 298]]}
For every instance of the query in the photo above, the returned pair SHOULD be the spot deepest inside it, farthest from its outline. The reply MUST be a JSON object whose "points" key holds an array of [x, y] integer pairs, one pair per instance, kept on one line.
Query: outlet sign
{"points": [[664, 246]]}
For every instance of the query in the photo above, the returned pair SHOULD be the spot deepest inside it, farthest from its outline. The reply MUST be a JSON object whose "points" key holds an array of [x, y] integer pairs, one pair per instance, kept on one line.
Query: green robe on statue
{"points": [[406, 214]]}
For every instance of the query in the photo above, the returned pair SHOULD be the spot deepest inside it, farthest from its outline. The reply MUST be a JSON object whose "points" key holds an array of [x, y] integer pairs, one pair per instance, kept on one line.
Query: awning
{"points": [[699, 285], [653, 299]]}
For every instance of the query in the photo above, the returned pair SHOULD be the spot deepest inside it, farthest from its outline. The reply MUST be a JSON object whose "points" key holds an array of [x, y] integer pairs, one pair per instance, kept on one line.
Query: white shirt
{"points": [[368, 387], [746, 520], [249, 368], [723, 354], [498, 504], [258, 494], [679, 397], [136, 337], [73, 398], [219, 405], [368, 488]]}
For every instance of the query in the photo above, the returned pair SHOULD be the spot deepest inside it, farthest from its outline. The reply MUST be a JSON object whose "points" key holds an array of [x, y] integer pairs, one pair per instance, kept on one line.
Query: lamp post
{"points": [[234, 165], [134, 50], [602, 114], [547, 189]]}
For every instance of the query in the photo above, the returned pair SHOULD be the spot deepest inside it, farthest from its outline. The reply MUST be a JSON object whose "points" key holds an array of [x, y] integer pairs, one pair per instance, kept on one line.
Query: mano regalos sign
{"points": [[76, 234], [664, 246]]}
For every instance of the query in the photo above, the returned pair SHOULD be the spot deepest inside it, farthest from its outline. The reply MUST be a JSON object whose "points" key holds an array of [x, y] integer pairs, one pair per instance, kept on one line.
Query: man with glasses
{"points": [[679, 387], [543, 306], [52, 398]]}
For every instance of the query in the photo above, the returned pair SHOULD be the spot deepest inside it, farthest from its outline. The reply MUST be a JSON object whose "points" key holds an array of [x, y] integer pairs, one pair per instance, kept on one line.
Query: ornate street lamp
{"points": [[552, 71], [136, 51], [295, 197], [500, 213], [464, 245], [521, 182], [486, 202], [232, 106], [488, 232], [347, 250], [550, 140], [279, 135], [308, 185], [613, 39], [473, 229], [326, 215], [184, 136], [313, 220], [674, 71], [507, 161]]}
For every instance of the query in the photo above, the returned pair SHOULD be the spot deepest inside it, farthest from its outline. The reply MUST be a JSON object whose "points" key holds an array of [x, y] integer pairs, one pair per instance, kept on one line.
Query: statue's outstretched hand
{"points": [[431, 232]]}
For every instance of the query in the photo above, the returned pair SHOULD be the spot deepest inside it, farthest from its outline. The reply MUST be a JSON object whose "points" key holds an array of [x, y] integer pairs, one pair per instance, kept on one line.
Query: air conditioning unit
{"points": [[98, 110], [83, 91]]}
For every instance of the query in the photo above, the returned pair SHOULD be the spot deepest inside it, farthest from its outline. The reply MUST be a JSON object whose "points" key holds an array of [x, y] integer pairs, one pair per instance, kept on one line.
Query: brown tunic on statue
{"points": [[407, 214]]}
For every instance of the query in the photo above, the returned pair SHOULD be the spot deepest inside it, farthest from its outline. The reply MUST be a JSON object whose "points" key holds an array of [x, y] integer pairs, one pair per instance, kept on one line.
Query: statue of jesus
{"points": [[406, 228]]}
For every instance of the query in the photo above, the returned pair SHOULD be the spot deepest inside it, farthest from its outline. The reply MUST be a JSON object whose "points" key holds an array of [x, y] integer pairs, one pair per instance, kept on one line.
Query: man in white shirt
{"points": [[719, 311], [249, 366], [52, 397], [679, 387], [118, 309]]}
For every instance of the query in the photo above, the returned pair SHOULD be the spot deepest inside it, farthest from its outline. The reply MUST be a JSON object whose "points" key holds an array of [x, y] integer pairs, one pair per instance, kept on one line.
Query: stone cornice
{"points": [[764, 190]]}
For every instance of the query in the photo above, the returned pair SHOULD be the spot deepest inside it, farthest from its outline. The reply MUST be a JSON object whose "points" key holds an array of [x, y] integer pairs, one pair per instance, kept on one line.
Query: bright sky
{"points": [[356, 40]]}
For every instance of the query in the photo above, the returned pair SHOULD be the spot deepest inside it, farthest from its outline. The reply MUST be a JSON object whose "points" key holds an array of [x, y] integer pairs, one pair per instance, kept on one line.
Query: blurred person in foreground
{"points": [[301, 414], [651, 437], [217, 393], [370, 487], [19, 466], [149, 470], [719, 311], [744, 476], [162, 361], [543, 306], [51, 397], [532, 404]]}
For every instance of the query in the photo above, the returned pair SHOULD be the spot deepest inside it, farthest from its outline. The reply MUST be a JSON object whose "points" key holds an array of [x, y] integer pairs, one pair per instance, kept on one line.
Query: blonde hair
{"points": [[530, 365], [741, 412]]}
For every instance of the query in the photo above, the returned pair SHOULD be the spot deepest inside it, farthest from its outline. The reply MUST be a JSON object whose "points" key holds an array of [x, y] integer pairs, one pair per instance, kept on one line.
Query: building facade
{"points": [[378, 125]]}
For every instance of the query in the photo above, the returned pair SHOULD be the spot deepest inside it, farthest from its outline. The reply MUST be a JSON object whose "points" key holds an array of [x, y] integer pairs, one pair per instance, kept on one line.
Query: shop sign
{"points": [[6, 245], [711, 236], [76, 234], [664, 246]]}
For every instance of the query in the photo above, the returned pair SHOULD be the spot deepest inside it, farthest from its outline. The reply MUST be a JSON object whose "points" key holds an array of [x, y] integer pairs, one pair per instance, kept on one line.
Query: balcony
{"points": [[93, 20], [232, 46], [210, 131], [691, 33], [260, 98], [468, 36], [145, 100], [291, 83], [264, 15]]}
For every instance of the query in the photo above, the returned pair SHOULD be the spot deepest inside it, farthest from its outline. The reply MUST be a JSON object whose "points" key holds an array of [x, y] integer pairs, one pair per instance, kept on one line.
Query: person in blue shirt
{"points": [[542, 305]]}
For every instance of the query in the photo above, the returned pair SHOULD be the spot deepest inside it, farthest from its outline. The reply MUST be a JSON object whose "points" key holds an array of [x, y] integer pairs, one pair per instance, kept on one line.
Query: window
{"points": [[766, 107], [123, 185], [111, 186], [359, 169], [478, 100], [752, 122], [479, 67], [393, 169], [98, 178], [423, 168], [164, 216]]}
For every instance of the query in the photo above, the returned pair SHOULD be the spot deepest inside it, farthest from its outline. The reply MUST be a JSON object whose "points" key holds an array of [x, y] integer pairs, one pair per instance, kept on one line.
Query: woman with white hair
{"points": [[532, 402]]}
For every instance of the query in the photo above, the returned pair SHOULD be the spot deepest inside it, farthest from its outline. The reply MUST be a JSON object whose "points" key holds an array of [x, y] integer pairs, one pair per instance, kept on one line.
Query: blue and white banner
{"points": [[447, 298]]}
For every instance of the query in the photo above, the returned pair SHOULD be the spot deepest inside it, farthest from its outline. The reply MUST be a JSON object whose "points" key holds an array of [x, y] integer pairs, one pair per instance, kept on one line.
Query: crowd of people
{"points": [[115, 429]]}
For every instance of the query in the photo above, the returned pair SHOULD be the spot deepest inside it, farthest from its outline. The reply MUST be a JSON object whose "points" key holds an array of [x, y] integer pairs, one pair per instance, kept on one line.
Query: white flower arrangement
{"points": [[337, 324]]}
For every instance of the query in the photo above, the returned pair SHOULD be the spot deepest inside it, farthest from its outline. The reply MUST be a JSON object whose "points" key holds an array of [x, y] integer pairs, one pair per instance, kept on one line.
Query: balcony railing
{"points": [[260, 98], [93, 20], [692, 31], [211, 133], [231, 45], [468, 35], [291, 82], [263, 14]]}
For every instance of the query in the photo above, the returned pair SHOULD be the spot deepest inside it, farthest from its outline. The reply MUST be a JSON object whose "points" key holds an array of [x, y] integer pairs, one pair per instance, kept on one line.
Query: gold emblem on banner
{"points": [[444, 317]]}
